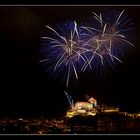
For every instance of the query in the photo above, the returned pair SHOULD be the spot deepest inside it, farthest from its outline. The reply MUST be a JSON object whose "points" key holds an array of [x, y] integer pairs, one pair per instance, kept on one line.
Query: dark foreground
{"points": [[102, 124]]}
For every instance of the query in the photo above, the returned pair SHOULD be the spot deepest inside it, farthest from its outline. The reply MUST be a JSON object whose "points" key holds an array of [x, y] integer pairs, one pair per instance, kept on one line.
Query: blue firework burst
{"points": [[110, 33], [64, 50]]}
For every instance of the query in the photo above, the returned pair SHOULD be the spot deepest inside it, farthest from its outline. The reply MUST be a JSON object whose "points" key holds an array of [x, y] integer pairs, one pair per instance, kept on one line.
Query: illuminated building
{"points": [[83, 108], [89, 108], [108, 109], [93, 101]]}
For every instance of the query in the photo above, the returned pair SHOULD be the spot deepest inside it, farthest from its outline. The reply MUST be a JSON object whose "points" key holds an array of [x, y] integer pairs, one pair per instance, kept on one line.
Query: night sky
{"points": [[25, 87]]}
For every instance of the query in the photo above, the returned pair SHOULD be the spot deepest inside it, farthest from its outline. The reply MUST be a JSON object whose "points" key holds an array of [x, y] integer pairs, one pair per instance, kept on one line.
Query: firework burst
{"points": [[108, 33], [65, 49]]}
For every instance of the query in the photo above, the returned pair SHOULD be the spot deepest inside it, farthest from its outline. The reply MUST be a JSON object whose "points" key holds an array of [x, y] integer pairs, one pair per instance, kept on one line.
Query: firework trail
{"points": [[108, 33], [70, 100]]}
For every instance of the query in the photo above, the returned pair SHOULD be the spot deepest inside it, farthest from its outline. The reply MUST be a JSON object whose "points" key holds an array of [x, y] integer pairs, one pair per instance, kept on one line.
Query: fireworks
{"points": [[108, 33], [66, 51], [72, 48]]}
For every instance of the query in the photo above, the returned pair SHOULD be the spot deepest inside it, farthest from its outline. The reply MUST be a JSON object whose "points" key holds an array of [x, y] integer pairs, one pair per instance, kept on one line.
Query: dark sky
{"points": [[27, 90]]}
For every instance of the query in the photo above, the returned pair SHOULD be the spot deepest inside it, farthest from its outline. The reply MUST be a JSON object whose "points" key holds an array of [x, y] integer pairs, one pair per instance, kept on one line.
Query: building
{"points": [[89, 108]]}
